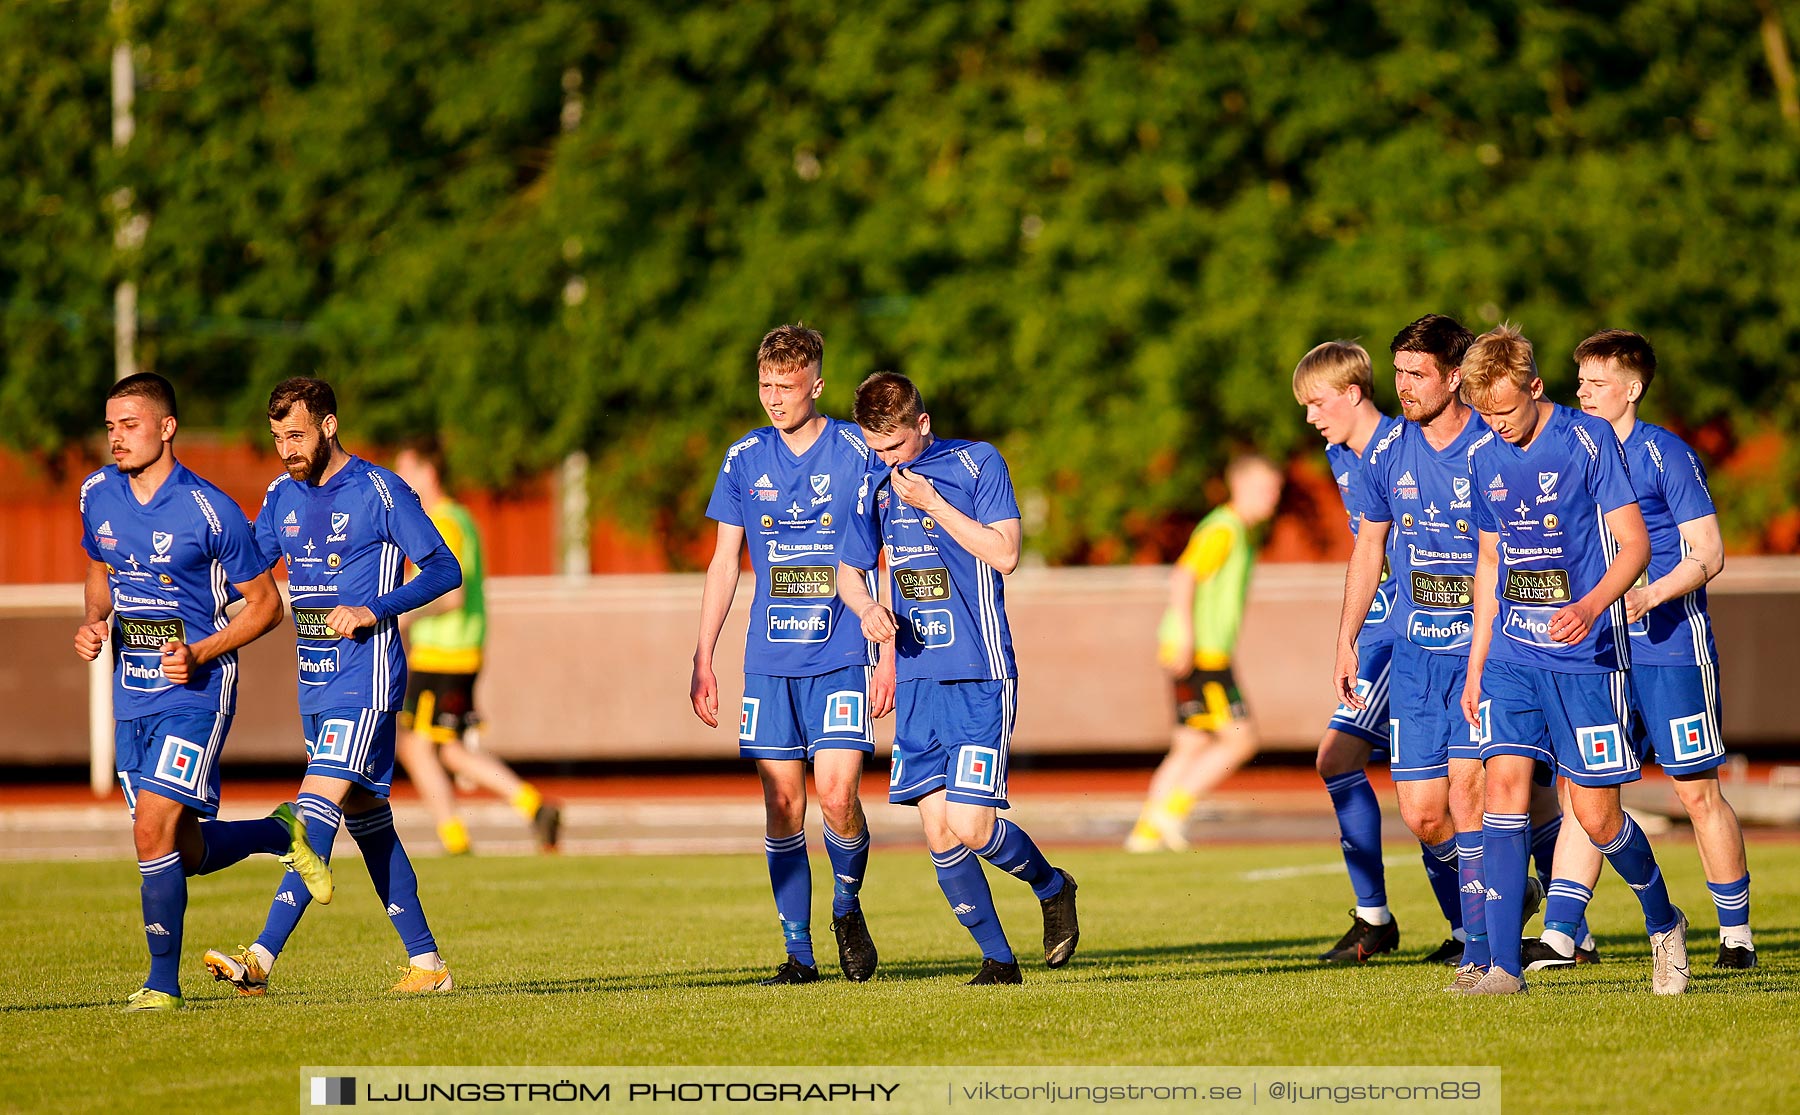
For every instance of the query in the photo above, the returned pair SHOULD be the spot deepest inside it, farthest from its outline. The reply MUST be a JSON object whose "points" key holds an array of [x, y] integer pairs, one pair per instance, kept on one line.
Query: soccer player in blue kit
{"points": [[1416, 489], [1561, 540], [345, 528], [169, 552], [1335, 383], [945, 515], [1674, 664], [808, 691]]}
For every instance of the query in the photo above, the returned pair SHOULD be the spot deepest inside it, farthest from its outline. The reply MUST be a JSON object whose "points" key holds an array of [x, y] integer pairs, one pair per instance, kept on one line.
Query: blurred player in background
{"points": [[345, 528], [809, 694], [1198, 637], [444, 656], [1336, 383], [946, 518], [1674, 664], [1561, 540], [169, 552]]}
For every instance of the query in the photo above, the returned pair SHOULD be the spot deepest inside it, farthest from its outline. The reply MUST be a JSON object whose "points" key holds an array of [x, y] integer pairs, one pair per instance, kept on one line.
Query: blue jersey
{"points": [[1347, 469], [1547, 503], [345, 542], [951, 605], [793, 510], [171, 564], [1671, 490], [1428, 496]]}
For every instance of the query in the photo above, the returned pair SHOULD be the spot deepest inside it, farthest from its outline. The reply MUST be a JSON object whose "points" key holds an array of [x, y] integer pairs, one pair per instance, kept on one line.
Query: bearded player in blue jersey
{"points": [[1335, 383], [945, 516], [169, 552], [1674, 664], [790, 487], [1561, 540], [1416, 492], [345, 528]]}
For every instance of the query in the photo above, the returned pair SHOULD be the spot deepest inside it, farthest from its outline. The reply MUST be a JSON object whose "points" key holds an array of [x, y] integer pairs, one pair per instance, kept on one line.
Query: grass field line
{"points": [[1271, 874]]}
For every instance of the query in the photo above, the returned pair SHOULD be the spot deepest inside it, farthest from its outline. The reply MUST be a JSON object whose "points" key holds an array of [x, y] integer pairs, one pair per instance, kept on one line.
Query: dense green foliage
{"points": [[1097, 233]]}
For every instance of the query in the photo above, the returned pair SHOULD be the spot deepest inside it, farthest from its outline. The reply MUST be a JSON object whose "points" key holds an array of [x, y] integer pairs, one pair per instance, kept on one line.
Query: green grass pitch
{"points": [[619, 961]]}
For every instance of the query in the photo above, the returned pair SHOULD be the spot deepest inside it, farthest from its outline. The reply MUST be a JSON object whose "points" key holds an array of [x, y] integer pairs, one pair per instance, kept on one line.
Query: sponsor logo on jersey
{"points": [[1522, 516], [105, 529], [181, 763], [333, 744], [1462, 525], [968, 462], [340, 522], [309, 623], [764, 490], [821, 486], [1435, 590], [332, 561], [933, 627], [1406, 520], [978, 769], [1439, 630], [1378, 611], [1496, 490], [747, 717], [1530, 626], [1547, 486], [923, 585], [141, 671], [810, 582], [731, 454], [1406, 487], [768, 522], [825, 520], [794, 511], [290, 526], [1602, 747], [318, 665], [1537, 586], [160, 541], [149, 634], [844, 711], [1692, 738], [1482, 731], [1551, 522], [799, 623], [1460, 487], [928, 523]]}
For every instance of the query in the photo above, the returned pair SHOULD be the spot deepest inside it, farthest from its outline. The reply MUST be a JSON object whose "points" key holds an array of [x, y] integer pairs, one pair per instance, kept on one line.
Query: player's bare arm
{"points": [[1703, 560], [262, 613], [96, 596], [1570, 625], [1361, 581], [878, 623], [715, 605], [883, 682], [1487, 606], [996, 543]]}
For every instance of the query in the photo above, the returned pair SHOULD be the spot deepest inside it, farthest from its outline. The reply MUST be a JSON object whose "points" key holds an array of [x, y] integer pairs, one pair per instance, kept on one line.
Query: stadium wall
{"points": [[598, 668]]}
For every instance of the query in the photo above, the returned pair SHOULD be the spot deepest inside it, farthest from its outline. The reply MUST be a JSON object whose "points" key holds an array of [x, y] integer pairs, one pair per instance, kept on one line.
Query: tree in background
{"points": [[1101, 236]]}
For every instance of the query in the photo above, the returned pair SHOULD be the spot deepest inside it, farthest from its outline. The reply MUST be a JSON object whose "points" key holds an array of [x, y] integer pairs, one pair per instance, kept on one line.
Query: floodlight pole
{"points": [[124, 124]]}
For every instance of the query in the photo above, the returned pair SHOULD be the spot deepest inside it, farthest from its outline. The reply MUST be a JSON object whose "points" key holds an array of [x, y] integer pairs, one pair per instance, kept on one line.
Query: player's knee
{"points": [[1600, 819], [153, 837], [1336, 758], [1700, 797], [785, 809], [973, 832], [1427, 821], [838, 804]]}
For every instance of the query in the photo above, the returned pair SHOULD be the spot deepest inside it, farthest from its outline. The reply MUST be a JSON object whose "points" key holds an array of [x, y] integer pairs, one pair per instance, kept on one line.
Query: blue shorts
{"points": [[1373, 662], [172, 754], [794, 718], [1678, 709], [1427, 728], [1575, 724], [953, 736], [354, 744]]}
